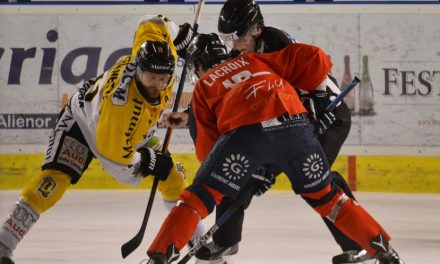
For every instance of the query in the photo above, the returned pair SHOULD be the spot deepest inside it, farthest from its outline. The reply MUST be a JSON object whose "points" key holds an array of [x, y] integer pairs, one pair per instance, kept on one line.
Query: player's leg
{"points": [[331, 142], [225, 240], [354, 221], [335, 136], [174, 185], [310, 174], [224, 173], [352, 252], [67, 156], [171, 189]]}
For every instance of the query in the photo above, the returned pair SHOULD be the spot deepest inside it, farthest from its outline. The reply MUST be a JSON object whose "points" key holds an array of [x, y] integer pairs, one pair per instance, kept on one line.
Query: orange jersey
{"points": [[253, 88]]}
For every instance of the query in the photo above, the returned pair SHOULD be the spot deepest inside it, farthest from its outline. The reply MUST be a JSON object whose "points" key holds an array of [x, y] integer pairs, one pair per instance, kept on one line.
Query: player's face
{"points": [[153, 83], [245, 43]]}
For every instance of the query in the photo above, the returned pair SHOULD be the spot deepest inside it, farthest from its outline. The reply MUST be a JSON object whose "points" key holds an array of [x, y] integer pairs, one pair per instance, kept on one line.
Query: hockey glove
{"points": [[267, 180], [183, 39], [321, 99], [154, 163], [325, 120], [316, 104]]}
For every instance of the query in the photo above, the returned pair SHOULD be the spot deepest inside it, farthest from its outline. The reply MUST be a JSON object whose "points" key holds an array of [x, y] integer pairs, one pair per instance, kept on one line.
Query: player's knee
{"points": [[175, 183], [339, 180], [199, 198], [328, 201], [43, 191]]}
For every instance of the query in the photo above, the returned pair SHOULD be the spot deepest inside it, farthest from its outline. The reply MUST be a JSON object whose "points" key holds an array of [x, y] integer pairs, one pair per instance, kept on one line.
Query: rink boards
{"points": [[397, 148], [371, 173]]}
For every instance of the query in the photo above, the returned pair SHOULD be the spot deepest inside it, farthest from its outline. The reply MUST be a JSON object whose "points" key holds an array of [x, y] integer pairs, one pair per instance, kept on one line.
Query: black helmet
{"points": [[155, 57], [207, 50], [238, 16]]}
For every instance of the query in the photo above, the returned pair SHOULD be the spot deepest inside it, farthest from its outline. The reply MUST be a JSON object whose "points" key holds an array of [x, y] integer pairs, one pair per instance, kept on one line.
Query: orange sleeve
{"points": [[303, 66], [206, 124]]}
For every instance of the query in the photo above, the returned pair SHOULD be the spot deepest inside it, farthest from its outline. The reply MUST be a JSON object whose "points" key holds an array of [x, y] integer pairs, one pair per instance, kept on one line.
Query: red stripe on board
{"points": [[352, 182]]}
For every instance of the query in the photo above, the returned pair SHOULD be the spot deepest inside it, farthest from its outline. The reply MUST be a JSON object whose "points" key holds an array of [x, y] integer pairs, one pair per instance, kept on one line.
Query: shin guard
{"points": [[18, 223], [176, 230], [41, 193], [356, 223], [347, 215], [200, 229], [181, 223]]}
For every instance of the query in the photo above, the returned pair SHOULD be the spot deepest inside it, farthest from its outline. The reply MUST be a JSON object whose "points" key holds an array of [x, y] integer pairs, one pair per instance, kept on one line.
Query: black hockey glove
{"points": [[155, 163], [316, 103], [325, 120], [184, 37], [321, 99], [267, 180]]}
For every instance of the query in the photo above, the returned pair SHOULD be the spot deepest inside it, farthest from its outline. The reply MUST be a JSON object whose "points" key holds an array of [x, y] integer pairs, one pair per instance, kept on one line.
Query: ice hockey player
{"points": [[242, 26], [112, 118], [274, 120]]}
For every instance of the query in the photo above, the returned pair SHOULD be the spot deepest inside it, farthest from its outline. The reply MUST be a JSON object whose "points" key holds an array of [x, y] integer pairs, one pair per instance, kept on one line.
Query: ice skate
{"points": [[158, 258], [5, 255], [212, 253], [6, 260], [385, 253], [354, 256]]}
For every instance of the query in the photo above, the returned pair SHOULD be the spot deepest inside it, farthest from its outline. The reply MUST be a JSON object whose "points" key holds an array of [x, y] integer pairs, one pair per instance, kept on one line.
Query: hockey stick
{"points": [[134, 243], [342, 95], [241, 198]]}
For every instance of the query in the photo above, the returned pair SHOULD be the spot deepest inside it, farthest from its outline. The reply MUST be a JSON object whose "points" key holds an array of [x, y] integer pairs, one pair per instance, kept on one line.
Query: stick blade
{"points": [[130, 246]]}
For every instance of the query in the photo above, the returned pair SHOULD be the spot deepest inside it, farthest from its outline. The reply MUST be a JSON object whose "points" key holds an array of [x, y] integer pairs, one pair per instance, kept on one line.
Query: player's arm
{"points": [[156, 28], [206, 124], [303, 66], [161, 28], [120, 154]]}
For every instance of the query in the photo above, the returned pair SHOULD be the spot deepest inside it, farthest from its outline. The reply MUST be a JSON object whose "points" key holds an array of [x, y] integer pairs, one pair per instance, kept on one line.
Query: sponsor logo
{"points": [[50, 146], [84, 94], [73, 154], [235, 166], [27, 121], [46, 61], [64, 123], [160, 67], [181, 169], [47, 186], [225, 181], [313, 167], [410, 83], [186, 41], [380, 243], [137, 110], [120, 96], [21, 220]]}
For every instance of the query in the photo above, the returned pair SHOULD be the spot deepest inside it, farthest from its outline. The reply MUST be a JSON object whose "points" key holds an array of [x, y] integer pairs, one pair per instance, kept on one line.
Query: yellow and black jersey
{"points": [[112, 113]]}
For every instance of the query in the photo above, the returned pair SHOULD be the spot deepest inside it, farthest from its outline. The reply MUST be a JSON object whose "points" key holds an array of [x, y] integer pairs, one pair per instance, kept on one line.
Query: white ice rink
{"points": [[90, 226]]}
